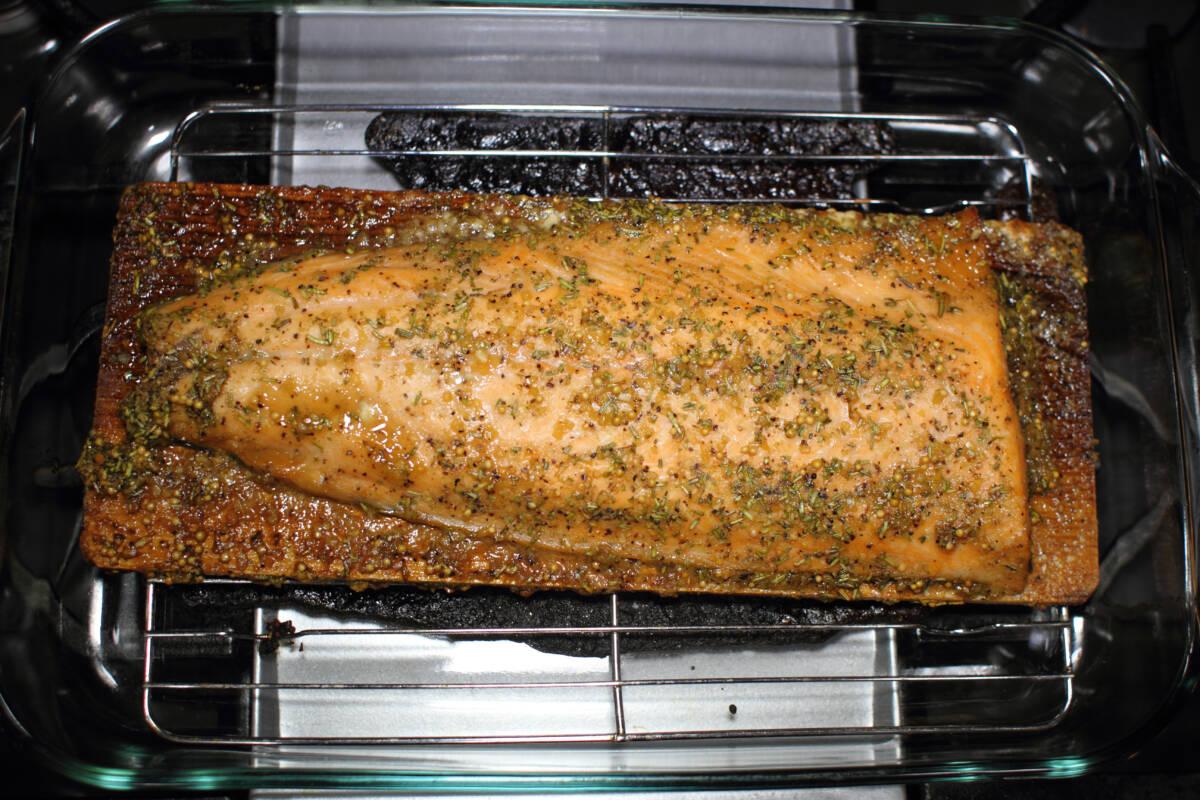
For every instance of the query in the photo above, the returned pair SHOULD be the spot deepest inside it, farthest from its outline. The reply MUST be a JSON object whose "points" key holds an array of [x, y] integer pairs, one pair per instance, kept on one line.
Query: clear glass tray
{"points": [[125, 683]]}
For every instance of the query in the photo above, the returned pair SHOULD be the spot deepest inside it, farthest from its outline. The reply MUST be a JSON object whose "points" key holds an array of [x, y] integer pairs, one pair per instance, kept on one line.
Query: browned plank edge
{"points": [[1043, 276], [171, 237]]}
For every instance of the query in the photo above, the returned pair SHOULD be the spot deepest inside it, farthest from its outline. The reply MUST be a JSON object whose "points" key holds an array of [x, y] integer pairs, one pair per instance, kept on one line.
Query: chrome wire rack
{"points": [[283, 673], [203, 148], [984, 664]]}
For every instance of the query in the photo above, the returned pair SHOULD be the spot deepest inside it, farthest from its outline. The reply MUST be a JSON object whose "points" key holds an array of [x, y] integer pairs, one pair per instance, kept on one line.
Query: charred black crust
{"points": [[645, 135]]}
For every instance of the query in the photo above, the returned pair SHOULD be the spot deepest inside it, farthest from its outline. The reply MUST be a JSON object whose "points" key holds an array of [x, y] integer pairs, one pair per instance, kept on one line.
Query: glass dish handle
{"points": [[11, 141], [1179, 207], [11, 145]]}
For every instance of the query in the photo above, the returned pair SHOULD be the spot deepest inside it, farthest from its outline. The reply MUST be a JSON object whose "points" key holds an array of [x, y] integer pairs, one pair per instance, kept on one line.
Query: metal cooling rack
{"points": [[998, 672], [1053, 626]]}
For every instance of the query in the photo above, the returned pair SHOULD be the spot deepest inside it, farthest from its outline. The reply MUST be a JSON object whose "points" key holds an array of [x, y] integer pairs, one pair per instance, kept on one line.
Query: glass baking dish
{"points": [[125, 683]]}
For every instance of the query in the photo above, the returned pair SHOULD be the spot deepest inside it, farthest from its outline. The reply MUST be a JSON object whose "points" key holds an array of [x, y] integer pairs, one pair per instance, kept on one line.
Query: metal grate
{"points": [[979, 683], [216, 143], [981, 671]]}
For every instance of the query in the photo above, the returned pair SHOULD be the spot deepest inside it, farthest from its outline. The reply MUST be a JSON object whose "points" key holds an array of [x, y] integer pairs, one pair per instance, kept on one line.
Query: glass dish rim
{"points": [[1152, 156]]}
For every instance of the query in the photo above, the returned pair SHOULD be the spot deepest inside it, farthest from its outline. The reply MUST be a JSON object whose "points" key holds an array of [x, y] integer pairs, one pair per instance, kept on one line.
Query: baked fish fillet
{"points": [[560, 393]]}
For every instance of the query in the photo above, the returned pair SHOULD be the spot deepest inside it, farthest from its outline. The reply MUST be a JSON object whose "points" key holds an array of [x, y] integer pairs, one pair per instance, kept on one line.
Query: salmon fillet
{"points": [[559, 393]]}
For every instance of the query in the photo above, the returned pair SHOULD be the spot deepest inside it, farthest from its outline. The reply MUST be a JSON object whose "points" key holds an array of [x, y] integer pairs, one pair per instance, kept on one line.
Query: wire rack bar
{"points": [[857, 732], [613, 683], [614, 666], [612, 155], [603, 630], [579, 110]]}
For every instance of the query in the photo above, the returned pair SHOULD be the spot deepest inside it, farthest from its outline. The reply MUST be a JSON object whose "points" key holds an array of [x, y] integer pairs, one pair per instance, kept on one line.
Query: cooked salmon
{"points": [[804, 397]]}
